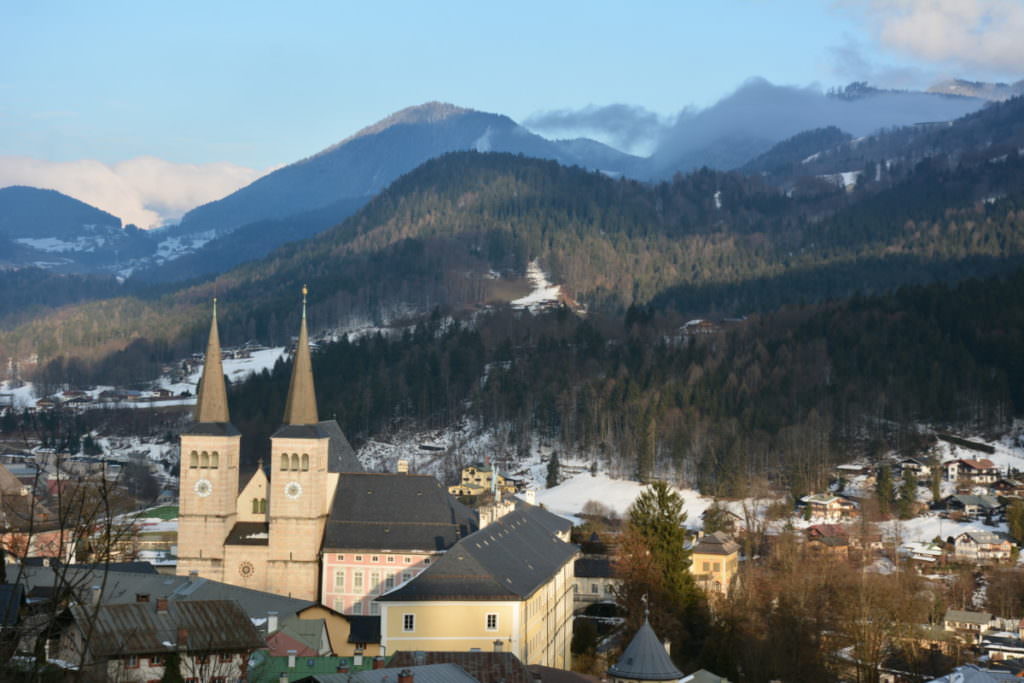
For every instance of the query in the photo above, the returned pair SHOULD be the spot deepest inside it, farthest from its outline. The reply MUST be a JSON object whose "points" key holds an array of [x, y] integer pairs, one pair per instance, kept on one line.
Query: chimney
{"points": [[530, 496], [405, 676], [193, 575], [403, 466], [97, 592], [498, 646], [182, 637], [271, 622], [378, 662], [291, 658], [161, 605]]}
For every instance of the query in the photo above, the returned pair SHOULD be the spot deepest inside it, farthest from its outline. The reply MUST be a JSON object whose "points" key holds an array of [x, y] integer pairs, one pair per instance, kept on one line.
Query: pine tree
{"points": [[1015, 520], [883, 489], [908, 494], [553, 471]]}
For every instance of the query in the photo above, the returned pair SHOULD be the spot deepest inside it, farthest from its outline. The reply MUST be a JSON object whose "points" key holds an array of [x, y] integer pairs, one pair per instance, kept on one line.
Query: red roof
{"points": [[826, 530]]}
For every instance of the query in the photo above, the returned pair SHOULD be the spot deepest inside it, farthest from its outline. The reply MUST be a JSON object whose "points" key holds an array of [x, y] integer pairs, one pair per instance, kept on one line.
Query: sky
{"points": [[203, 97]]}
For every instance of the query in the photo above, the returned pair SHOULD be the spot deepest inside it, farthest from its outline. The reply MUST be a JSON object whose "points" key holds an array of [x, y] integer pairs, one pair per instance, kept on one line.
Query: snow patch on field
{"points": [[568, 498]]}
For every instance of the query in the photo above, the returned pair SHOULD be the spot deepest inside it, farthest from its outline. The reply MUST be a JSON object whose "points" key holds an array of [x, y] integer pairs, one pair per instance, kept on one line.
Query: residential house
{"points": [[919, 468], [301, 637], [349, 635], [981, 547], [212, 638], [384, 530], [1002, 646], [476, 480], [982, 471], [828, 507], [508, 585], [595, 581], [644, 659], [967, 624], [1008, 487], [971, 673], [714, 562], [829, 540], [973, 506]]}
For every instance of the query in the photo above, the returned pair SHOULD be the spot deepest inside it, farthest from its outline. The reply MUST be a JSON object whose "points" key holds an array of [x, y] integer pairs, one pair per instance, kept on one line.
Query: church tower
{"points": [[208, 478], [302, 485]]}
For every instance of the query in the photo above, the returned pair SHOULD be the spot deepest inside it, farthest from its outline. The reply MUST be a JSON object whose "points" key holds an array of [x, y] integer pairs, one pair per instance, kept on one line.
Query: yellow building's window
{"points": [[492, 622], [408, 622]]}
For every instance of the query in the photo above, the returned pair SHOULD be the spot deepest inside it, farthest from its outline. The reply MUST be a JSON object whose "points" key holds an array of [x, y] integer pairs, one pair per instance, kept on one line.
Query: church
{"points": [[264, 529]]}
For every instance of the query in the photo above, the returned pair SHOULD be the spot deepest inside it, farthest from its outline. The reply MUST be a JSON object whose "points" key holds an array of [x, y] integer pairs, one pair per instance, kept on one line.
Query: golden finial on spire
{"points": [[214, 307], [305, 291]]}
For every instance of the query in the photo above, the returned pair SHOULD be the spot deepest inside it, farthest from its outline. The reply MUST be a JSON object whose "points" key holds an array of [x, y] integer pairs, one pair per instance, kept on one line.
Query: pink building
{"points": [[383, 530]]}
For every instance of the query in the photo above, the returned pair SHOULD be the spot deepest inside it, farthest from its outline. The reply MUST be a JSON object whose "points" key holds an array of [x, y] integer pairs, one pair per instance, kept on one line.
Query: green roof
{"points": [[267, 669]]}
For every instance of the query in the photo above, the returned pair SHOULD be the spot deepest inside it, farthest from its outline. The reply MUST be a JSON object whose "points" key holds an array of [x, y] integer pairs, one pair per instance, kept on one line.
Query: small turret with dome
{"points": [[644, 659]]}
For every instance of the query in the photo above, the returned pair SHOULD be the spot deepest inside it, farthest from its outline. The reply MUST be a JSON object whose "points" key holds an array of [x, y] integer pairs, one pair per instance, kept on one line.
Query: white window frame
{"points": [[408, 622], [491, 616]]}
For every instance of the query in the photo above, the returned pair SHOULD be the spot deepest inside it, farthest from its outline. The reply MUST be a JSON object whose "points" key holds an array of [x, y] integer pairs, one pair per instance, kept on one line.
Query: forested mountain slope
{"points": [[702, 242], [784, 395]]}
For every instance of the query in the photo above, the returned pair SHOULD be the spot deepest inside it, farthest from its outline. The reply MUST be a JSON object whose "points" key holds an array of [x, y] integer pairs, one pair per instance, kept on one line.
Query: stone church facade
{"points": [[263, 529]]}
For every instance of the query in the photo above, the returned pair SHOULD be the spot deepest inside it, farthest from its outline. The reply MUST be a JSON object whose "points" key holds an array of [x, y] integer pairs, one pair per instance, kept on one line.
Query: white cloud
{"points": [[145, 191], [980, 34]]}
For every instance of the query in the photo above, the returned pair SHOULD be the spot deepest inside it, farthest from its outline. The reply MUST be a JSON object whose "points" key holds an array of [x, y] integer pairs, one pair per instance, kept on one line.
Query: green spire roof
{"points": [[300, 409], [212, 404]]}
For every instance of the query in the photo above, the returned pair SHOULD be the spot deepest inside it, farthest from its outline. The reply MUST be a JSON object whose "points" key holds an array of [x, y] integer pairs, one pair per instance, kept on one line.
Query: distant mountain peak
{"points": [[428, 112], [997, 92]]}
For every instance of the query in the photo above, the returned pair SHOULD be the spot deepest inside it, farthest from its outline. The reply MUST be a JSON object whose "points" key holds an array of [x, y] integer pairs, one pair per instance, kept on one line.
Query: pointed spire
{"points": [[212, 404], [300, 409]]}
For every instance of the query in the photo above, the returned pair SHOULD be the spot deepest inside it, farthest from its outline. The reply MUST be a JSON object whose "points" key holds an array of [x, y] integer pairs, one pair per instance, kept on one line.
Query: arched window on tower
{"points": [[193, 460], [263, 506], [305, 462], [295, 462], [214, 460], [284, 461], [204, 461], [255, 506]]}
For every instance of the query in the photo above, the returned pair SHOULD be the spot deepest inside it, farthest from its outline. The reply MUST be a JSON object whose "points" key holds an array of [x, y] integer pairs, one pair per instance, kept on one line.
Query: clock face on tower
{"points": [[203, 488], [293, 489], [246, 570]]}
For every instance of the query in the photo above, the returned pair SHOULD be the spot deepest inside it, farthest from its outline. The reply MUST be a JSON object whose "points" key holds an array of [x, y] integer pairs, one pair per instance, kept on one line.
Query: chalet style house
{"points": [[981, 471]]}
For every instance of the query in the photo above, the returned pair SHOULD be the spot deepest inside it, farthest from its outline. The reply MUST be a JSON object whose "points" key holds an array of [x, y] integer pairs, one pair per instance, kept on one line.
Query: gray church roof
{"points": [[508, 559], [645, 659], [376, 511], [126, 587]]}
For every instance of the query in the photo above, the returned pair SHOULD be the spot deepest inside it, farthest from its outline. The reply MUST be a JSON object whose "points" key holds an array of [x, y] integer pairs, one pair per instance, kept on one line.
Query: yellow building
{"points": [[714, 562], [507, 587], [476, 481]]}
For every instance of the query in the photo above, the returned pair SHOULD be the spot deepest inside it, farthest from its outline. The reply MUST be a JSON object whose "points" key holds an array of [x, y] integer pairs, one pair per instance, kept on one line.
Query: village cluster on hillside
{"points": [[310, 567]]}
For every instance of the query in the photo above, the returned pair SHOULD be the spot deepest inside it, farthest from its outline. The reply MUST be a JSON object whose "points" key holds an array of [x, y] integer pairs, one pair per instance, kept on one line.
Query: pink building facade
{"points": [[352, 579]]}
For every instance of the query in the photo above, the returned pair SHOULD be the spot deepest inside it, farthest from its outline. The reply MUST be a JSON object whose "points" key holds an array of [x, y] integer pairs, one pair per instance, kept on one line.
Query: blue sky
{"points": [[259, 84], [264, 83]]}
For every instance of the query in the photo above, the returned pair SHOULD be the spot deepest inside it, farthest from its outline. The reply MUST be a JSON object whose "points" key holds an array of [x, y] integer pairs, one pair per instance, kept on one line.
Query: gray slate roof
{"points": [[430, 673], [123, 587], [555, 524], [376, 511], [139, 628], [486, 667], [509, 559], [594, 568], [645, 659], [716, 543], [967, 617]]}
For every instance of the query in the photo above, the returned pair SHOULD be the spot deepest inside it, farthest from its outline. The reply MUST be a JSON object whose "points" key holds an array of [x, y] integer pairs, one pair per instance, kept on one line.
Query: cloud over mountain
{"points": [[624, 126], [981, 34], [145, 190]]}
